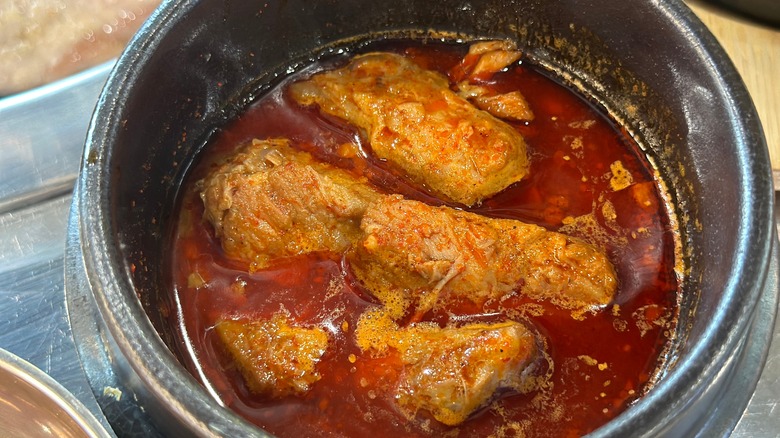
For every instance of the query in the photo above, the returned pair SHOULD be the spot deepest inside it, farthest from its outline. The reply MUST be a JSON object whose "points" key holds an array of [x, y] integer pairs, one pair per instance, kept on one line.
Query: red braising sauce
{"points": [[587, 179]]}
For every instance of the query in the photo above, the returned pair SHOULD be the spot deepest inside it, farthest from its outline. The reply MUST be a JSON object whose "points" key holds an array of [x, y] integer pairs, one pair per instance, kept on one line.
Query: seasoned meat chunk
{"points": [[412, 254], [412, 119], [452, 372], [510, 105], [483, 60], [269, 201], [488, 57], [275, 358]]}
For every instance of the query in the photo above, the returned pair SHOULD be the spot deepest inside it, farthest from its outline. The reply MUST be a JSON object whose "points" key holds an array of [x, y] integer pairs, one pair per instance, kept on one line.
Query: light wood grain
{"points": [[755, 51]]}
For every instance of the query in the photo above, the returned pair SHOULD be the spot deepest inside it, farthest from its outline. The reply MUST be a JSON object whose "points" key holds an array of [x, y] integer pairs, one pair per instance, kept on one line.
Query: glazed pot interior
{"points": [[650, 65]]}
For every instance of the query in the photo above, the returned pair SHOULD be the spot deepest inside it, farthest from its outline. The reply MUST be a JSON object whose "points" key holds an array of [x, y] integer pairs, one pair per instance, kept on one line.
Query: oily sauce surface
{"points": [[587, 179]]}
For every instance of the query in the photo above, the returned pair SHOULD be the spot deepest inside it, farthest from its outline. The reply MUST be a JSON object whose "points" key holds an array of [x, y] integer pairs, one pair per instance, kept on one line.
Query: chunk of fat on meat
{"points": [[412, 119], [414, 257], [276, 358], [451, 372], [269, 201]]}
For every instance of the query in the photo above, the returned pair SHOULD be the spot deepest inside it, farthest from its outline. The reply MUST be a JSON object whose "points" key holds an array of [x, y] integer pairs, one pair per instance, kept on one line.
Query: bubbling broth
{"points": [[586, 179]]}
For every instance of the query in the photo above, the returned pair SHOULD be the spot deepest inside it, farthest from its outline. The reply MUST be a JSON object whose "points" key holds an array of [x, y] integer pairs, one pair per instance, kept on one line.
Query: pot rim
{"points": [[108, 277], [167, 380]]}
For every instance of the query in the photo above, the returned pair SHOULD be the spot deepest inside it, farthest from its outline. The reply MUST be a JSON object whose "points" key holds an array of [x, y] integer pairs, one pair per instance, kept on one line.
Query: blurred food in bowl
{"points": [[45, 40]]}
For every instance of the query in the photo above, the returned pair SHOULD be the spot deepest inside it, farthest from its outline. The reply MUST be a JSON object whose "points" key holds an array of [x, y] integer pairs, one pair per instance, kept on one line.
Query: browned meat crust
{"points": [[413, 119], [270, 201], [275, 358], [451, 372], [412, 255]]}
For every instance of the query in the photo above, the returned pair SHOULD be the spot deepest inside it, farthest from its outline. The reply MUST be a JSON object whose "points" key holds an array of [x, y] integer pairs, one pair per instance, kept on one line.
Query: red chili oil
{"points": [[595, 366]]}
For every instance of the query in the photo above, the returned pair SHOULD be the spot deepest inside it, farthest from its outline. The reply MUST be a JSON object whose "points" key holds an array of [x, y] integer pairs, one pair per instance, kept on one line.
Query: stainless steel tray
{"points": [[41, 136]]}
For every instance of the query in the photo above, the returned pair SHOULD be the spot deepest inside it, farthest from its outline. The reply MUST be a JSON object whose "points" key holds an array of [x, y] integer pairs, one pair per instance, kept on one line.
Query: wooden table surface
{"points": [[755, 51]]}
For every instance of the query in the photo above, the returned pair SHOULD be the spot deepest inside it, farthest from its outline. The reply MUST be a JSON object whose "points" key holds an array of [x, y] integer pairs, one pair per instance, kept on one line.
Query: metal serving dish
{"points": [[41, 135], [32, 404], [651, 65]]}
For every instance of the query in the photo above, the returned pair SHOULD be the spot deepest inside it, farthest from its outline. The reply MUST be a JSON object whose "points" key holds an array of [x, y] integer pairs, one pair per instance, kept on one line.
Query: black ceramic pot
{"points": [[197, 64]]}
